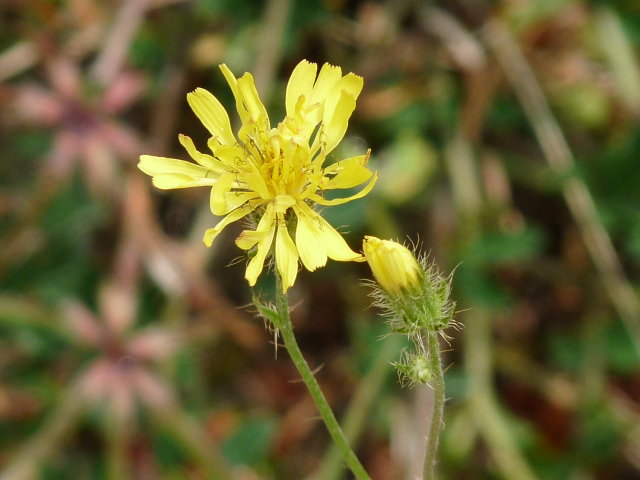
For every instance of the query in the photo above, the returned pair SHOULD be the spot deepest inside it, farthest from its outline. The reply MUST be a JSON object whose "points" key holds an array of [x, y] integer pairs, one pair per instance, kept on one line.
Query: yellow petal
{"points": [[300, 83], [203, 159], [251, 101], [283, 203], [328, 237], [231, 156], [339, 201], [218, 198], [248, 103], [211, 233], [256, 264], [255, 181], [152, 165], [267, 227], [169, 173], [233, 200], [328, 77], [348, 172], [172, 181], [334, 129], [233, 84], [306, 99], [286, 256], [212, 114], [310, 247], [248, 238], [350, 85], [393, 265]]}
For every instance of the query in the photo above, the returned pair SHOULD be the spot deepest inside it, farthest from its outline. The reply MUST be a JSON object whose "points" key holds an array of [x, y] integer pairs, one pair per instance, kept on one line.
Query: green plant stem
{"points": [[435, 427], [357, 414], [290, 343]]}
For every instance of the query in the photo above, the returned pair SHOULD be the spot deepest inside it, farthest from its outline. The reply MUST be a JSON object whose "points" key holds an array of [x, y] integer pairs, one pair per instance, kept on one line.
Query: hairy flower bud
{"points": [[409, 290], [414, 368]]}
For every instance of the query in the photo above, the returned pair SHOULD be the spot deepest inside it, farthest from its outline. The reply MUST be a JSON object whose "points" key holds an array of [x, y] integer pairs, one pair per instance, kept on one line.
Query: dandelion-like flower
{"points": [[278, 173]]}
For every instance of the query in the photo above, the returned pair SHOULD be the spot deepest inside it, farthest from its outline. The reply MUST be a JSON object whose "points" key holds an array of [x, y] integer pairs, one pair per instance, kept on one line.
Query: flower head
{"points": [[277, 174], [394, 266]]}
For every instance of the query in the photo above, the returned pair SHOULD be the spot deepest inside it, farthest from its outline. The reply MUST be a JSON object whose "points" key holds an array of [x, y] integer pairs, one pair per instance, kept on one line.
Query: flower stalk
{"points": [[435, 427], [329, 419]]}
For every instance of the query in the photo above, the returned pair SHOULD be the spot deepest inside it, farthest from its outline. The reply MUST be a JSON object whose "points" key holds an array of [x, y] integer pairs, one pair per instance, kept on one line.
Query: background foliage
{"points": [[506, 135]]}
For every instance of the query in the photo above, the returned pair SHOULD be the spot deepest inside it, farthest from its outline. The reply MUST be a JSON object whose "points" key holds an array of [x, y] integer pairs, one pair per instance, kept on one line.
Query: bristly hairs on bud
{"points": [[427, 306], [422, 309], [413, 368]]}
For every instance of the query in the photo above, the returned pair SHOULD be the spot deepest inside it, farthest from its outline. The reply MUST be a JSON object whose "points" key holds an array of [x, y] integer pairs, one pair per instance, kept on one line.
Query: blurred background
{"points": [[507, 138]]}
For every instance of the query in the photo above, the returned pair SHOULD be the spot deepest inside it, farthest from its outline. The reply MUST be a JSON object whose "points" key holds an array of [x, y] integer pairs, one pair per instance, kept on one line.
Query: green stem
{"points": [[359, 410], [437, 383], [290, 343]]}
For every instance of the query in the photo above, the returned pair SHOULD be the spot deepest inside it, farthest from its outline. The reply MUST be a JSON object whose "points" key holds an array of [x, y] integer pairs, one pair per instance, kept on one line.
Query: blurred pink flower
{"points": [[85, 123], [123, 373]]}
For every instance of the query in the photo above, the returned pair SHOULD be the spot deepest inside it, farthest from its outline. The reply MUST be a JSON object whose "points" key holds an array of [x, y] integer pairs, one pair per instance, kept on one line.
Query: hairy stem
{"points": [[290, 343], [435, 427]]}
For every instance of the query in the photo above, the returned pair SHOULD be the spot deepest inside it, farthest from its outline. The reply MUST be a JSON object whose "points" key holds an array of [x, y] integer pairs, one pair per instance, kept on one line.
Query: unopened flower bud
{"points": [[413, 368], [393, 265]]}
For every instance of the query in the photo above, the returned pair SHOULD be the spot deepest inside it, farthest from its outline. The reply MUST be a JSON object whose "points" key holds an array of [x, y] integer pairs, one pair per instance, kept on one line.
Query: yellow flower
{"points": [[393, 265], [277, 173]]}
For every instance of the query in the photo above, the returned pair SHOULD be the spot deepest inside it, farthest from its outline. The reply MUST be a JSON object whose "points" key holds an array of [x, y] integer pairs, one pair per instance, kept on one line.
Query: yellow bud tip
{"points": [[393, 265]]}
